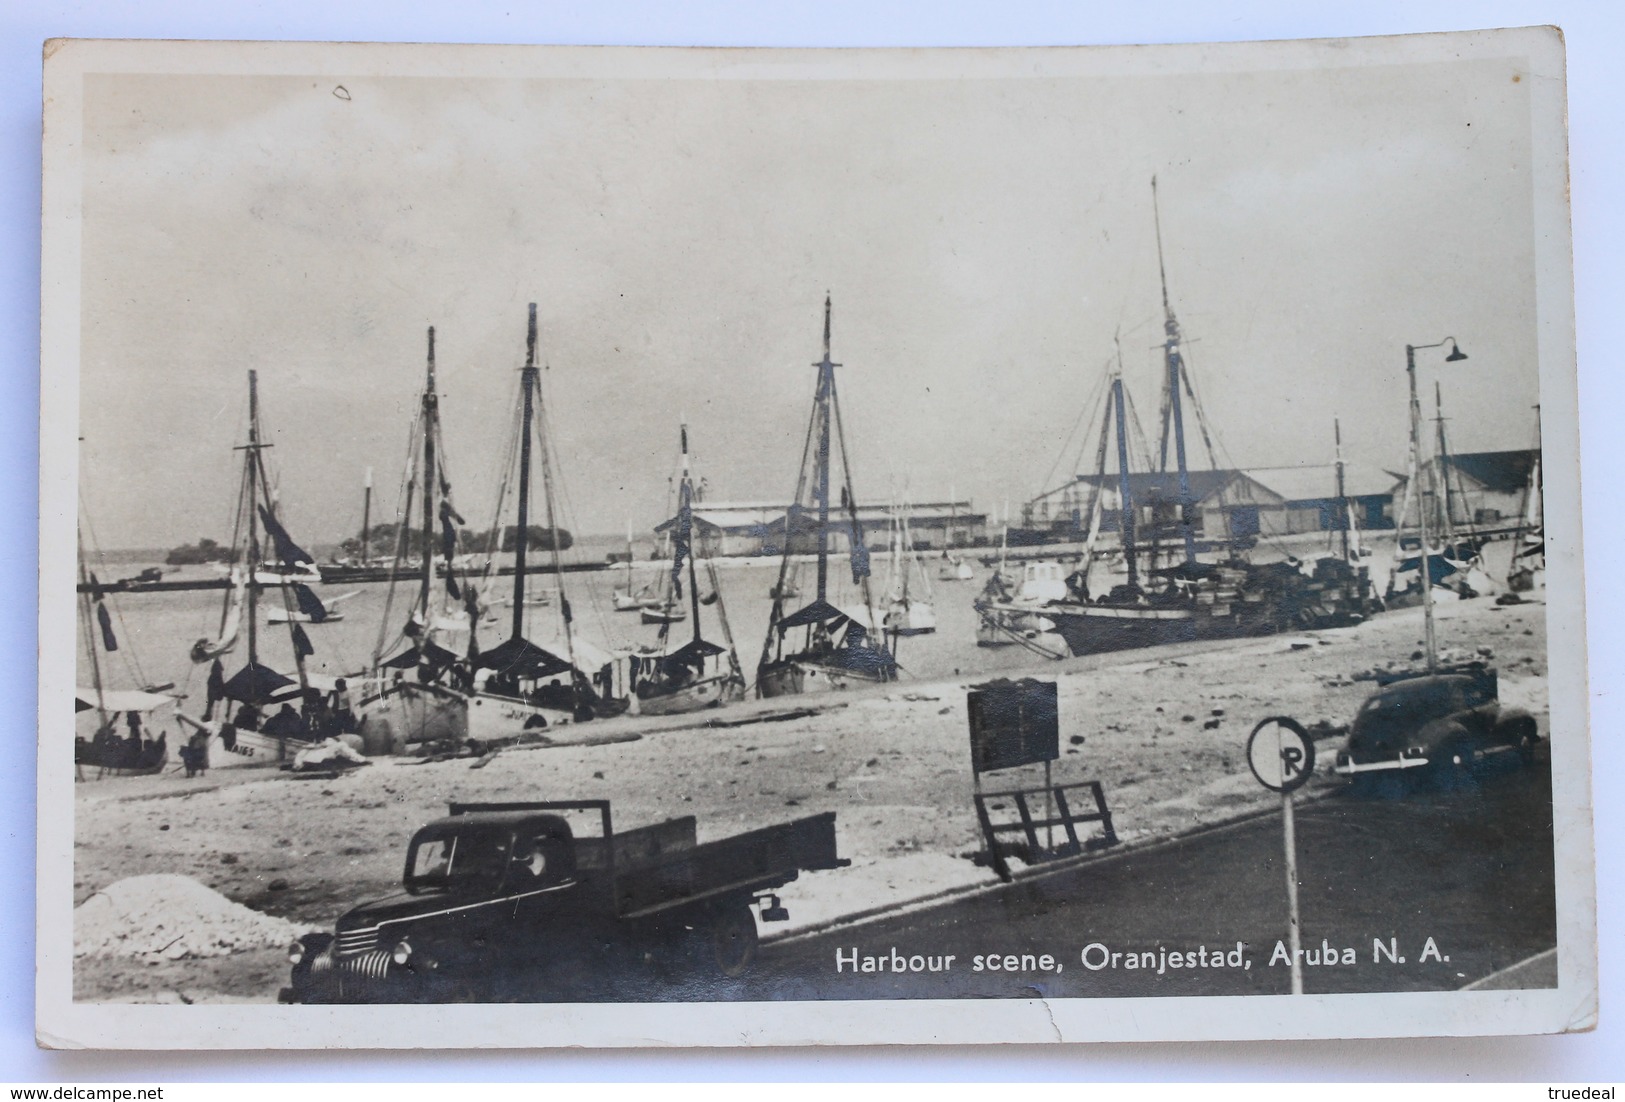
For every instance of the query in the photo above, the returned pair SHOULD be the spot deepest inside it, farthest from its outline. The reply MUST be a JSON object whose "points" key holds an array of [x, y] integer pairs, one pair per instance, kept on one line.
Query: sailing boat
{"points": [[630, 598], [681, 680], [429, 706], [1526, 572], [256, 687], [1339, 591], [520, 685], [1455, 566], [907, 612], [954, 568], [1189, 599], [308, 611], [667, 605], [135, 752], [835, 650]]}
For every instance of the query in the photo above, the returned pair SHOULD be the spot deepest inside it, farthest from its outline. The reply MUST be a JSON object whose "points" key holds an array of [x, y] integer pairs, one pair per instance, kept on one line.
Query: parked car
{"points": [[1449, 724]]}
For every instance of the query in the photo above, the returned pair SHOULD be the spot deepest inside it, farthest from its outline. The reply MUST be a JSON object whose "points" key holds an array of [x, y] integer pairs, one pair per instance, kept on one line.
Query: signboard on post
{"points": [[1013, 723], [1282, 756]]}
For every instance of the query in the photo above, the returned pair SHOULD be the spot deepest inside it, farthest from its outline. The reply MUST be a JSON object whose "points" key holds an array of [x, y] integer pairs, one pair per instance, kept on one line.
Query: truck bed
{"points": [[648, 881]]}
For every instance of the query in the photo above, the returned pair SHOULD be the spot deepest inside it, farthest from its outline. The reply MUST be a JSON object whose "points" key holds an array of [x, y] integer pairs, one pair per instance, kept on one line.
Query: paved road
{"points": [[1471, 869]]}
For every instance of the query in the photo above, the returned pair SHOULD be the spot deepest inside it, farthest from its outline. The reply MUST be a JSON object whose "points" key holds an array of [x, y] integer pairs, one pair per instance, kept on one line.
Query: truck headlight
{"points": [[296, 952], [401, 953]]}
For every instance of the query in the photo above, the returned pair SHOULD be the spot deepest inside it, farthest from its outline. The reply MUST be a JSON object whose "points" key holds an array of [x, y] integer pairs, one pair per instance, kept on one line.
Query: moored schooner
{"points": [[520, 685], [301, 706], [836, 650], [416, 694], [699, 673], [1187, 599]]}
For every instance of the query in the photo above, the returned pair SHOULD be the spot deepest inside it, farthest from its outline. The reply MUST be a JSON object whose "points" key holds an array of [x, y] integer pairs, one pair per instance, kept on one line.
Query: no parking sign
{"points": [[1281, 754]]}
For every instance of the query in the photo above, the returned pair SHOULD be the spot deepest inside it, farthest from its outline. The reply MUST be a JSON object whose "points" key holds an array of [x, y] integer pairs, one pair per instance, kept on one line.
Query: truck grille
{"points": [[357, 941]]}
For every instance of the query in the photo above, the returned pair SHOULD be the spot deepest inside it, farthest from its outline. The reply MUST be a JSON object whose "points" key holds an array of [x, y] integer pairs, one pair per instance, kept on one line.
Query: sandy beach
{"points": [[1162, 729]]}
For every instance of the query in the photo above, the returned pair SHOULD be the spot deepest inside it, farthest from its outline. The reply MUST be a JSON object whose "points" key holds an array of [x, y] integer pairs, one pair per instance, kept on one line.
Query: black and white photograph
{"points": [[753, 546]]}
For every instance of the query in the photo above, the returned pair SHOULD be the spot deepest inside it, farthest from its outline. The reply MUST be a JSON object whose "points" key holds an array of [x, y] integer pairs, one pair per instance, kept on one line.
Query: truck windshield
{"points": [[458, 860]]}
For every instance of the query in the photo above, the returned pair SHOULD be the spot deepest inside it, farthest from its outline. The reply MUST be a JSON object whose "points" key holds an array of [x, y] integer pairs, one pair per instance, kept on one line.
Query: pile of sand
{"points": [[169, 917]]}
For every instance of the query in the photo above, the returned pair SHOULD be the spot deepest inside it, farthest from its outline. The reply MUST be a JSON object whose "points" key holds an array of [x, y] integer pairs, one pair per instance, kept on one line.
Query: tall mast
{"points": [[527, 384], [366, 519], [1175, 362], [685, 512], [1447, 525], [431, 486], [552, 516], [1126, 504], [826, 384], [250, 466], [1425, 563], [87, 609], [1342, 493]]}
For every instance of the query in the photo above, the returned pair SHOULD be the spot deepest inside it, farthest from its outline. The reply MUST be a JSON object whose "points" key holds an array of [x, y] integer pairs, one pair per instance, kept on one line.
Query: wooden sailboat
{"points": [[699, 674], [415, 695], [1188, 599], [1526, 572], [1455, 565], [258, 705], [1338, 591], [521, 685], [909, 609], [630, 597], [832, 650], [104, 748]]}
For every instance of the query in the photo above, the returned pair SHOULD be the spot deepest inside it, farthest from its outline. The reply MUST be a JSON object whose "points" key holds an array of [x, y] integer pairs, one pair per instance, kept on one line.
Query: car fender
{"points": [[1438, 733], [1514, 723]]}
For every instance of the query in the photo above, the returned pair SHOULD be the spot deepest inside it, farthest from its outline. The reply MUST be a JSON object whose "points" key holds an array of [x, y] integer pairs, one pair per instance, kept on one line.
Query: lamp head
{"points": [[1456, 354]]}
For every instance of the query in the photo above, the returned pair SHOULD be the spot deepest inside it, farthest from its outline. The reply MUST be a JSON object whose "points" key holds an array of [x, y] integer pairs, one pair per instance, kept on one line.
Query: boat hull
{"points": [[1100, 629], [624, 602], [912, 618], [793, 677], [283, 616], [496, 718], [1007, 627], [113, 764], [711, 692], [407, 714]]}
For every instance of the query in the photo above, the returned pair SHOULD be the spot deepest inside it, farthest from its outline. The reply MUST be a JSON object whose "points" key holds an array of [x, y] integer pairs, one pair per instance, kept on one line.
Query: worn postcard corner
{"points": [[745, 547]]}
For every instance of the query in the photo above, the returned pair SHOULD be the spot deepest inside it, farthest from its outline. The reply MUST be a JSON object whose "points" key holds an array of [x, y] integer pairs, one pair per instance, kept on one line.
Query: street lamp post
{"points": [[1425, 561]]}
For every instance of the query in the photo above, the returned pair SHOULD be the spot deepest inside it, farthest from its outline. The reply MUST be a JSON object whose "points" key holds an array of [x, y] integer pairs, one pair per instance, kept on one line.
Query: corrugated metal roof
{"points": [[749, 516], [1319, 482]]}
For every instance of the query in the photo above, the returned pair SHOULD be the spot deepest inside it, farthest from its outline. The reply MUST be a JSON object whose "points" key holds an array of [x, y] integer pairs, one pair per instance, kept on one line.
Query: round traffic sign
{"points": [[1281, 754]]}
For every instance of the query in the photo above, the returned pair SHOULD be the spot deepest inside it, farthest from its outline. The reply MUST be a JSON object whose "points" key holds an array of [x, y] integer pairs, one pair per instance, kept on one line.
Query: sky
{"points": [[984, 241]]}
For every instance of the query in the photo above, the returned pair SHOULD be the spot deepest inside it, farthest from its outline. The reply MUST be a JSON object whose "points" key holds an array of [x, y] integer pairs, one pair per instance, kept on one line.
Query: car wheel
{"points": [[1456, 764], [733, 939]]}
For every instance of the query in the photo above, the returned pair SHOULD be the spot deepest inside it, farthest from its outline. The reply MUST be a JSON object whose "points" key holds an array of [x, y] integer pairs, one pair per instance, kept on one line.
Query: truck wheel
{"points": [[733, 939]]}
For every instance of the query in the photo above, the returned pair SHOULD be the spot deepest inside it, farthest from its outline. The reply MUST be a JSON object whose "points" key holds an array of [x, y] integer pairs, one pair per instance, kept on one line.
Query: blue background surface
{"points": [[1595, 37]]}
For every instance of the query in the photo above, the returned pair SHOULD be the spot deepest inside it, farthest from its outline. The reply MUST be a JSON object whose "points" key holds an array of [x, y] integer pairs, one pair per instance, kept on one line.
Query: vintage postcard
{"points": [[567, 546]]}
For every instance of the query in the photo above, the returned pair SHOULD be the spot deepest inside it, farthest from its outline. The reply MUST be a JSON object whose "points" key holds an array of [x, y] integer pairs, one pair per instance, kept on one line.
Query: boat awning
{"points": [[696, 652], [522, 658], [820, 611], [256, 684], [119, 700], [412, 656]]}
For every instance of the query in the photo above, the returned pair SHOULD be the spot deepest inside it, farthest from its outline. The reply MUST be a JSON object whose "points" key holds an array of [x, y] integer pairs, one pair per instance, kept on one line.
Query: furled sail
{"points": [[205, 650]]}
